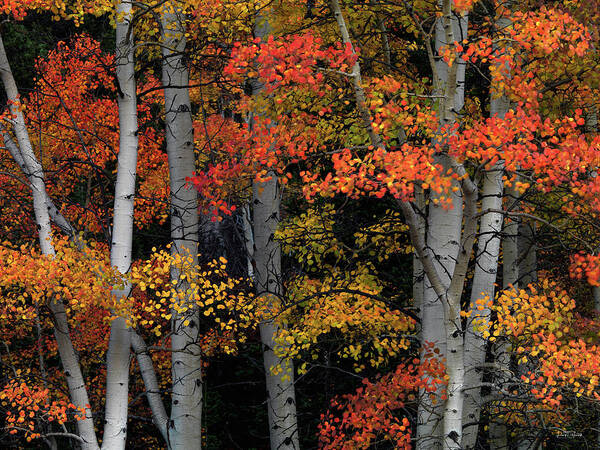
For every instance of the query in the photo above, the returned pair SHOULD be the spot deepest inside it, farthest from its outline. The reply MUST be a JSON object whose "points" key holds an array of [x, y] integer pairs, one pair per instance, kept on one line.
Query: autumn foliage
{"points": [[352, 126]]}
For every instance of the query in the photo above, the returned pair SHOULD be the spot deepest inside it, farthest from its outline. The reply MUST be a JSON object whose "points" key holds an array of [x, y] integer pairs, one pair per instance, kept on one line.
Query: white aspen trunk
{"points": [[527, 262], [484, 279], [455, 369], [266, 257], [281, 397], [159, 415], [418, 271], [117, 360], [455, 364], [287, 436], [25, 157], [138, 345], [441, 288], [443, 239], [498, 435], [185, 431]]}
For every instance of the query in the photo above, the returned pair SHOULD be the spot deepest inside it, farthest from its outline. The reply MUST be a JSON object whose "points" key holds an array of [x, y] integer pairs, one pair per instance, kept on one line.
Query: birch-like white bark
{"points": [[266, 258], [152, 388], [281, 400], [25, 157], [418, 271], [484, 278], [185, 432], [452, 85], [455, 365], [138, 345], [484, 281], [117, 360], [443, 238], [510, 280]]}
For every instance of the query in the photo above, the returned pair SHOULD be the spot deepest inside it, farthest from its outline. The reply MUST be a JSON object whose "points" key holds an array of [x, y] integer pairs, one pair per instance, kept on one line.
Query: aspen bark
{"points": [[443, 238], [186, 403], [510, 280], [117, 360], [159, 415], [266, 258], [25, 157], [418, 271], [484, 279], [483, 288], [438, 284], [281, 397], [455, 364]]}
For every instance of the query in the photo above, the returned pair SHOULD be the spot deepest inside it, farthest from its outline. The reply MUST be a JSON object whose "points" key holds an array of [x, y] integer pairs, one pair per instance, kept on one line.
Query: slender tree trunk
{"points": [[483, 288], [282, 411], [266, 257], [439, 285], [159, 415], [418, 272], [117, 361], [186, 402], [498, 434], [455, 364], [281, 397], [443, 236], [25, 157], [484, 279]]}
